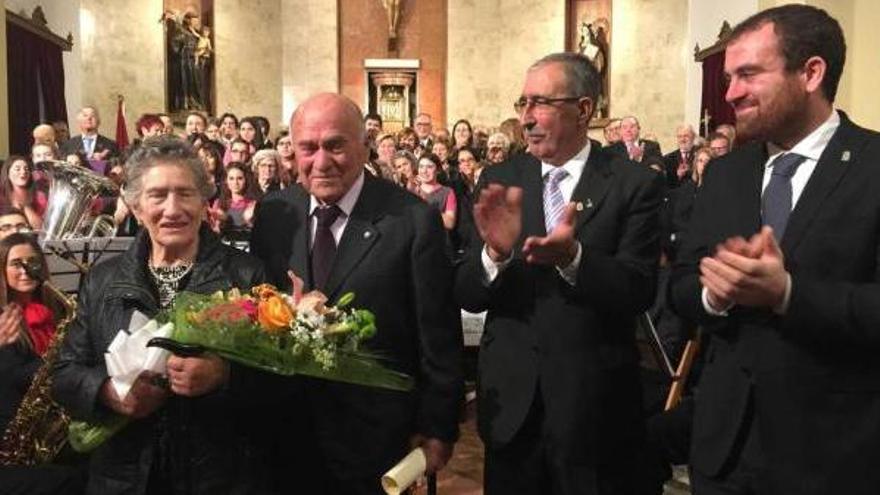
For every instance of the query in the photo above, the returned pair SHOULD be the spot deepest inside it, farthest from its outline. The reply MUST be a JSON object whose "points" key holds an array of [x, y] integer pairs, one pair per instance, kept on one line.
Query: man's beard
{"points": [[777, 119]]}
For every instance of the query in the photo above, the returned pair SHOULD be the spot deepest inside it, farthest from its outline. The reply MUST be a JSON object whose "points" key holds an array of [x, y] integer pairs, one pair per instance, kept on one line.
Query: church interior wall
{"points": [[268, 63], [422, 29], [491, 44], [310, 51], [704, 22], [647, 68], [248, 71], [123, 53]]}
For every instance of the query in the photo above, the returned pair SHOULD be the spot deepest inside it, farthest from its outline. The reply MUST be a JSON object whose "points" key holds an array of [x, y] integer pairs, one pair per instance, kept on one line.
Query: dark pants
{"points": [[528, 464], [48, 479], [534, 463], [742, 474]]}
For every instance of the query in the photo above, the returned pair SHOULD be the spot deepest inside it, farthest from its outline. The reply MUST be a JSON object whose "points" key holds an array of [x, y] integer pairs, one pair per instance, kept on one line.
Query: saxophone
{"points": [[38, 431]]}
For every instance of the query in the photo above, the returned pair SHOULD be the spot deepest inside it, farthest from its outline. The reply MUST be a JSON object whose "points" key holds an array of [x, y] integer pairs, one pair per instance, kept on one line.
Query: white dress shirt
{"points": [[575, 168], [810, 147], [346, 204]]}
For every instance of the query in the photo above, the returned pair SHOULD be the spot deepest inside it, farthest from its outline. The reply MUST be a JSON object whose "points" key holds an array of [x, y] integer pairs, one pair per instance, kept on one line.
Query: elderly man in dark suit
{"points": [[89, 142], [344, 231], [677, 165], [633, 147], [568, 258], [780, 265]]}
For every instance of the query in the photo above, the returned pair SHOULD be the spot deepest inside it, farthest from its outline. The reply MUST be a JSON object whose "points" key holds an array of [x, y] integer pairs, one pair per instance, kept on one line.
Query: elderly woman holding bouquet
{"points": [[190, 435]]}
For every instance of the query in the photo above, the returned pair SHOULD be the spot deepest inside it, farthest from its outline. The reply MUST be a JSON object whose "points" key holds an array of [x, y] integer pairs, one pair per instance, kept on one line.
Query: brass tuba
{"points": [[38, 431], [71, 191]]}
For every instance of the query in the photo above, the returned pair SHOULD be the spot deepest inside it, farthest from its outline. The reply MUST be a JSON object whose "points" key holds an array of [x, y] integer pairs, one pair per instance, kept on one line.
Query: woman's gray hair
{"points": [[163, 150], [263, 155]]}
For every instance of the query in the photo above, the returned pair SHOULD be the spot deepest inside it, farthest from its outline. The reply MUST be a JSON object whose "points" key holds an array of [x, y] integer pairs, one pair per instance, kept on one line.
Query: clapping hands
{"points": [[744, 272], [10, 324]]}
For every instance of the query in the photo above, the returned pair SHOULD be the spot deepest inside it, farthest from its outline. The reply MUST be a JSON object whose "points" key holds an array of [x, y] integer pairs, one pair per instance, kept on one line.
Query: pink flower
{"points": [[249, 307]]}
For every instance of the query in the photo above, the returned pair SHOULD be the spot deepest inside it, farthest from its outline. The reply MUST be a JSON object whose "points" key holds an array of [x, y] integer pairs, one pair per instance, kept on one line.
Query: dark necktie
{"points": [[324, 245], [777, 200]]}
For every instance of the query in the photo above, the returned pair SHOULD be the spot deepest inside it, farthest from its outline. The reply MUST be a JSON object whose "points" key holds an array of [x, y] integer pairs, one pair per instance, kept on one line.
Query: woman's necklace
{"points": [[167, 279]]}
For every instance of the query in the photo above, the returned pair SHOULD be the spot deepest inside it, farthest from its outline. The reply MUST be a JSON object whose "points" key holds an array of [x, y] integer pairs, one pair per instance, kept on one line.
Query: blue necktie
{"points": [[554, 203], [776, 203], [89, 146]]}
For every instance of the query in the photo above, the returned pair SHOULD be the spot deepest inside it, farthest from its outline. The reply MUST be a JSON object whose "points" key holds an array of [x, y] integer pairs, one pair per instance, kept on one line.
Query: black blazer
{"points": [[812, 374], [75, 145], [391, 255], [670, 167], [651, 155], [574, 344]]}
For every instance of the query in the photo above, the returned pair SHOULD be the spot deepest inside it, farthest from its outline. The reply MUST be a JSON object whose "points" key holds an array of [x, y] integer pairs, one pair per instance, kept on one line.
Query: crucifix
{"points": [[392, 10]]}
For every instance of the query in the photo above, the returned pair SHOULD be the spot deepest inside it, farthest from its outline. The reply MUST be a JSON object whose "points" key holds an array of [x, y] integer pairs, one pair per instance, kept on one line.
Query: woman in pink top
{"points": [[19, 190]]}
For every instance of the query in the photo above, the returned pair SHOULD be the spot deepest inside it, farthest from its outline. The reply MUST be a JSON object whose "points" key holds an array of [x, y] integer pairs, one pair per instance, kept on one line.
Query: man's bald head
{"points": [[339, 105], [329, 145]]}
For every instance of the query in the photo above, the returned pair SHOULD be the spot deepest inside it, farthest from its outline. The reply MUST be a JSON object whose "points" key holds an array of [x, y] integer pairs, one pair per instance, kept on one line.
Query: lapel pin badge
{"points": [[368, 234], [589, 204], [579, 206], [844, 157]]}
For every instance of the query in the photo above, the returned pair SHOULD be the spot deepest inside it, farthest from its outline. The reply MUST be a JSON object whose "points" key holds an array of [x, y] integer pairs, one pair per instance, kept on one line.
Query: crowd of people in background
{"points": [[246, 161]]}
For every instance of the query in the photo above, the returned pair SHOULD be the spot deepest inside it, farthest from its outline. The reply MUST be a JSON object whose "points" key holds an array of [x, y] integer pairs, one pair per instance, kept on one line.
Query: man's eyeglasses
{"points": [[540, 102]]}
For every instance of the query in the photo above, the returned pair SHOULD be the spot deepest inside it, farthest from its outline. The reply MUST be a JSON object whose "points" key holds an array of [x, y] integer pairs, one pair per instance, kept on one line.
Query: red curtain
{"points": [[52, 79], [714, 88], [35, 74]]}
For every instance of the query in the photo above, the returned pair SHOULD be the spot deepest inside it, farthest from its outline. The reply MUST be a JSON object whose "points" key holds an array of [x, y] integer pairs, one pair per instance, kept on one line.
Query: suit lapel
{"points": [[299, 260], [533, 199], [830, 168], [593, 186], [359, 236]]}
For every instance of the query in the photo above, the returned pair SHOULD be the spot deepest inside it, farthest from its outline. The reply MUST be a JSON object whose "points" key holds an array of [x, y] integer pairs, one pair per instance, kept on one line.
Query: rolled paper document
{"points": [[405, 473]]}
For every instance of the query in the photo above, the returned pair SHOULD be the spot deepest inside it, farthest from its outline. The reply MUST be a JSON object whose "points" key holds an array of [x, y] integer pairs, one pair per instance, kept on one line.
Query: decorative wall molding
{"points": [[38, 25]]}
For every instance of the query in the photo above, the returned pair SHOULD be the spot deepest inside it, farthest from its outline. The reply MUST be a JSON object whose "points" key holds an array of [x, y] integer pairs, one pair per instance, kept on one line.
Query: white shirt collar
{"points": [[348, 200], [574, 166], [814, 144]]}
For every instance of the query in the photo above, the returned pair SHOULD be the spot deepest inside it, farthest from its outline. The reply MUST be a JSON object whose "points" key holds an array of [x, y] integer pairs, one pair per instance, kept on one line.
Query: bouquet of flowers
{"points": [[284, 334], [272, 331]]}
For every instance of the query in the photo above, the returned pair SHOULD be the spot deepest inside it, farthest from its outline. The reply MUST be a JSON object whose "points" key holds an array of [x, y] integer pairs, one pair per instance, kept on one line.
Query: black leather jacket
{"points": [[204, 444]]}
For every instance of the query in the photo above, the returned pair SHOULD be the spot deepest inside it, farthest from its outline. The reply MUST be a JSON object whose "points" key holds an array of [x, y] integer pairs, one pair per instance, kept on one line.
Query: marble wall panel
{"points": [[310, 49], [491, 44], [648, 64], [248, 44], [122, 47]]}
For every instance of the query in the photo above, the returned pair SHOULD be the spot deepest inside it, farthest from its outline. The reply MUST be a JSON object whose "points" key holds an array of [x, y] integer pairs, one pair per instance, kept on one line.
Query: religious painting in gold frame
{"points": [[588, 31], [189, 56]]}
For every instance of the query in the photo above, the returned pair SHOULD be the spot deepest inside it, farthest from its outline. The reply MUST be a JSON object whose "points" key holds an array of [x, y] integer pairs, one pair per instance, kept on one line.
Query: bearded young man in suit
{"points": [[780, 265], [344, 231], [568, 259]]}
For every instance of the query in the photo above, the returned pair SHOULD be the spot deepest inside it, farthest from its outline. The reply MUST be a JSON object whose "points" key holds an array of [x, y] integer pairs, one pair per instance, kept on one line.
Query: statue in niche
{"points": [[593, 43], [190, 61]]}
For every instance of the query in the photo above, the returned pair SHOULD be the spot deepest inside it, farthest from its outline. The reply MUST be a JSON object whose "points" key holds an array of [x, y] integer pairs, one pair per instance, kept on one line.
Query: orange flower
{"points": [[273, 313], [264, 291]]}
